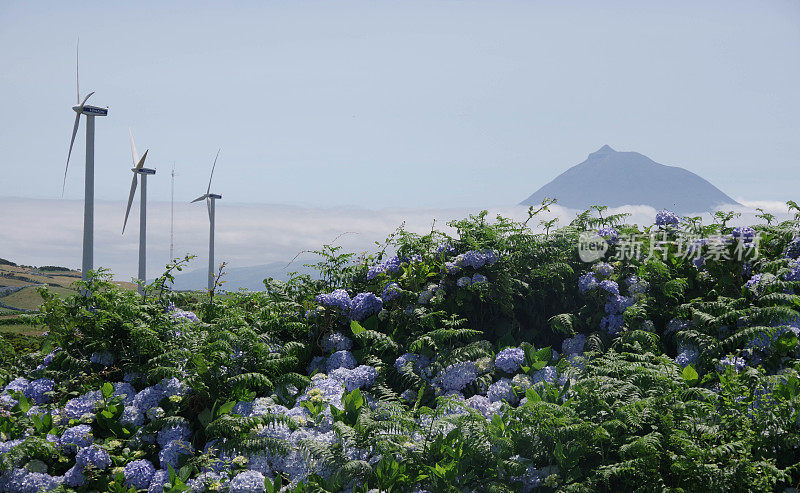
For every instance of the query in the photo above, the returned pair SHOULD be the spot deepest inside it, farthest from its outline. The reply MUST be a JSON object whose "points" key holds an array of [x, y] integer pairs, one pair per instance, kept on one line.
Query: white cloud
{"points": [[40, 232]]}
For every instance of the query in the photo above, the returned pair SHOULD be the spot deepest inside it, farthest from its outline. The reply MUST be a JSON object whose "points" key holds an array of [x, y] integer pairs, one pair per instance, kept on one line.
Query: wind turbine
{"points": [[139, 171], [90, 112], [210, 198]]}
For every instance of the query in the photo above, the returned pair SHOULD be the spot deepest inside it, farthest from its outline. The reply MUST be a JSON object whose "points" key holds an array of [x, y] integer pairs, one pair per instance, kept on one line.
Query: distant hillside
{"points": [[251, 278], [612, 178]]}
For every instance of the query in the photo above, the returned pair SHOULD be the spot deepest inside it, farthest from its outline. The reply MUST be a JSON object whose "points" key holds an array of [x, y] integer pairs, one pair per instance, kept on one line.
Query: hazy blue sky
{"points": [[386, 104]]}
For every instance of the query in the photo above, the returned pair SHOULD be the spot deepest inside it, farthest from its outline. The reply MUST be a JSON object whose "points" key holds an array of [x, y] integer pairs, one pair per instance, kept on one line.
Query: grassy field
{"points": [[29, 298]]}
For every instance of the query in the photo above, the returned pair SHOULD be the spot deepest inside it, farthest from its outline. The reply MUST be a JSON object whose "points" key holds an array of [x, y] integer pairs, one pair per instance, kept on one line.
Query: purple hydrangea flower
{"points": [[510, 359], [76, 437], [744, 233], [603, 269], [139, 473], [610, 287], [375, 270], [392, 264], [451, 267], [84, 404], [364, 305], [587, 282], [612, 323], [419, 362], [338, 298], [336, 341], [501, 391], [169, 434], [359, 377], [247, 482], [479, 278], [463, 282], [666, 218], [39, 390], [390, 292], [341, 359], [171, 453], [735, 362], [687, 355], [793, 248], [610, 234], [93, 457], [104, 358], [478, 258], [547, 374], [458, 376], [573, 345], [445, 248]]}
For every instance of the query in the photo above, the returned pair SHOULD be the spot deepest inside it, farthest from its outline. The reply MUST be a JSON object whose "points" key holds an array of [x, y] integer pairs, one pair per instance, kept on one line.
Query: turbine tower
{"points": [[139, 171], [210, 198], [90, 112]]}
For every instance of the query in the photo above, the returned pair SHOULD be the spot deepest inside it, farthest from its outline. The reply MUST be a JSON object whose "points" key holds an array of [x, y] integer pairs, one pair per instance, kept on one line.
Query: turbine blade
{"points": [[133, 149], [84, 100], [208, 206], [71, 142], [134, 182], [212, 172], [77, 69], [198, 199], [141, 161]]}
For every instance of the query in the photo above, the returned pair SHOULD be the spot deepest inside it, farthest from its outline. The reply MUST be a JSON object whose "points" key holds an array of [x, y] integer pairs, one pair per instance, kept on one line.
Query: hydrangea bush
{"points": [[490, 360]]}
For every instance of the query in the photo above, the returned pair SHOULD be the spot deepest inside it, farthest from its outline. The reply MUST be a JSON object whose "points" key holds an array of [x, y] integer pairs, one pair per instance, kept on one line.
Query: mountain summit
{"points": [[612, 178]]}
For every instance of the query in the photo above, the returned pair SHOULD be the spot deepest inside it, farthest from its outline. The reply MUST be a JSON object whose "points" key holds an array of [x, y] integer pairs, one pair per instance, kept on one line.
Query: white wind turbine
{"points": [[139, 171], [90, 112], [210, 198]]}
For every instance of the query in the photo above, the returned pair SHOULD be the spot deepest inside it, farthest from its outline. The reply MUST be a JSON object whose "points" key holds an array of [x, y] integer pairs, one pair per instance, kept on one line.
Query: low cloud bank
{"points": [[49, 232]]}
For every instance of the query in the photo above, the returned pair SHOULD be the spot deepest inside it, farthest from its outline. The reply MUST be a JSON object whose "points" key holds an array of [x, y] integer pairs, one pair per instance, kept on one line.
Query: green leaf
{"points": [[786, 342], [689, 374], [225, 408], [107, 390], [356, 328]]}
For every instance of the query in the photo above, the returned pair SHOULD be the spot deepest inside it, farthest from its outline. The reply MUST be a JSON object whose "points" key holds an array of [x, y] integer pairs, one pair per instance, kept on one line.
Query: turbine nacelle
{"points": [[90, 110], [214, 196], [144, 171]]}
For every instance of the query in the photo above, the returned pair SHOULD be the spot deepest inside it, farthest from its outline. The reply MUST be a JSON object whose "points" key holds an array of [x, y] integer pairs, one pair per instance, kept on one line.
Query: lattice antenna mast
{"points": [[172, 216]]}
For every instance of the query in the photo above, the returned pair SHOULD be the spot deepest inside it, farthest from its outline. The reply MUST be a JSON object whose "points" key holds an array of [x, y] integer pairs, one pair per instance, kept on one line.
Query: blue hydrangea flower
{"points": [[479, 278], [451, 267], [392, 264], [510, 359], [84, 404], [358, 378], [735, 362], [160, 478], [610, 287], [639, 287], [104, 358], [93, 457], [445, 248], [587, 282], [610, 234], [336, 341], [573, 345], [793, 248], [501, 391], [375, 270], [74, 476], [603, 269], [547, 374], [39, 390], [618, 304], [794, 271], [478, 258], [463, 281], [458, 376], [338, 298], [34, 482], [169, 434], [666, 218], [744, 233], [132, 416], [364, 305], [139, 473], [76, 437], [612, 323], [687, 355], [247, 482], [171, 453], [341, 359], [390, 292], [419, 362]]}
